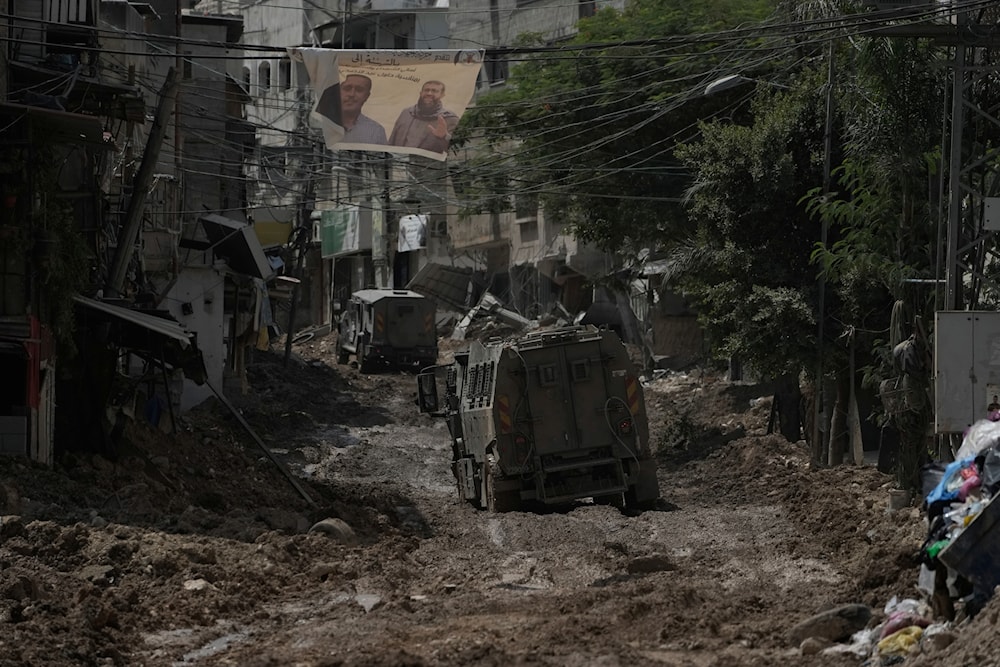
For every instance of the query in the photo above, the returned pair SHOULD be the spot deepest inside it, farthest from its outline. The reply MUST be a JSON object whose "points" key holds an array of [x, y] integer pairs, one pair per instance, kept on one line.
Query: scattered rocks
{"points": [[336, 529], [833, 625]]}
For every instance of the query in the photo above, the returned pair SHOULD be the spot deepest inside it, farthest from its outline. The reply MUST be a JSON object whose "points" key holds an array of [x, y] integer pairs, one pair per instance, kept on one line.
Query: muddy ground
{"points": [[338, 540]]}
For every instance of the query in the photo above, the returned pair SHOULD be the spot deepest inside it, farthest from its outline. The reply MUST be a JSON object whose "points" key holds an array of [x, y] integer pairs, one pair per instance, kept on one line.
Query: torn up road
{"points": [[193, 548]]}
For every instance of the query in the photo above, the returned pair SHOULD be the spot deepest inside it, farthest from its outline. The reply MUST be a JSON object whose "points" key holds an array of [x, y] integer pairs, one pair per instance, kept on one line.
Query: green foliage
{"points": [[882, 216], [754, 287], [764, 326], [621, 144], [883, 248], [592, 132]]}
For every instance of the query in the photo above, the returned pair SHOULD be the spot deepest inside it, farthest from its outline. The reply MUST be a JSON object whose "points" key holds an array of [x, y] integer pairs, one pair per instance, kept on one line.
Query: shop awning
{"points": [[158, 336], [57, 126]]}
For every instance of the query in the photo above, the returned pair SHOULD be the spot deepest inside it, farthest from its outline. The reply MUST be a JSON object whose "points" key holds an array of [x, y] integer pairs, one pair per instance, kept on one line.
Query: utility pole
{"points": [[300, 245], [140, 185], [820, 436], [302, 236]]}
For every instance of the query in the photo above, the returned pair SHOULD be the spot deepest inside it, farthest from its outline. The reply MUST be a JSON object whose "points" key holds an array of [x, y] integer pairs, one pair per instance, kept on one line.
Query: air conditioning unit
{"points": [[316, 220]]}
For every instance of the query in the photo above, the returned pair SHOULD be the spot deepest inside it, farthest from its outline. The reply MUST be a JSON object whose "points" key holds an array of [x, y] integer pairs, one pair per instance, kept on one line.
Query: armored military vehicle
{"points": [[545, 418], [388, 328]]}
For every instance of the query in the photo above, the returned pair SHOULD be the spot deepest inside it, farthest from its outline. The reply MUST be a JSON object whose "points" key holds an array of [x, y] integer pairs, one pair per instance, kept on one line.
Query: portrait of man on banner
{"points": [[412, 233], [398, 101]]}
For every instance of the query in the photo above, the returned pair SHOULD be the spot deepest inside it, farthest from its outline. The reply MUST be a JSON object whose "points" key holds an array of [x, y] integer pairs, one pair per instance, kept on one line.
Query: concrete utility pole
{"points": [[140, 185]]}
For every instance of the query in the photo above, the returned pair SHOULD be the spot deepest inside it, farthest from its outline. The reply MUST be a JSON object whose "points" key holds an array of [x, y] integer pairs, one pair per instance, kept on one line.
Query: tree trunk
{"points": [[787, 399], [839, 432]]}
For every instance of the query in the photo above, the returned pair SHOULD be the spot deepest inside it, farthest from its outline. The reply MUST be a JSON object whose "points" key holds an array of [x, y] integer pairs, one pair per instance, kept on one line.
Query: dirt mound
{"points": [[195, 547]]}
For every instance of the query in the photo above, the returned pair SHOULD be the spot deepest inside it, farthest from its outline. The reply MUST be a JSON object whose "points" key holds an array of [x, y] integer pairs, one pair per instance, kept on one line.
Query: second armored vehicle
{"points": [[388, 328]]}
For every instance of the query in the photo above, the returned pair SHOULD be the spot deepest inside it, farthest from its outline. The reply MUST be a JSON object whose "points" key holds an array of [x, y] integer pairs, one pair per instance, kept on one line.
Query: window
{"points": [[526, 206], [496, 69], [264, 77], [587, 8], [547, 375], [285, 74], [438, 227], [527, 230], [246, 80]]}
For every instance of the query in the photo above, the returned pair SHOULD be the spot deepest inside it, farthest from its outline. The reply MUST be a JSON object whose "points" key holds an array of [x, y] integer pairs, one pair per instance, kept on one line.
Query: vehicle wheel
{"points": [[459, 487], [499, 501], [364, 363], [634, 504]]}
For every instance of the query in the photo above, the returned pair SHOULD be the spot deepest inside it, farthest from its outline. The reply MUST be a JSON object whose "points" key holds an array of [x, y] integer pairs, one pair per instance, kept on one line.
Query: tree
{"points": [[591, 127], [882, 257], [619, 142], [752, 283]]}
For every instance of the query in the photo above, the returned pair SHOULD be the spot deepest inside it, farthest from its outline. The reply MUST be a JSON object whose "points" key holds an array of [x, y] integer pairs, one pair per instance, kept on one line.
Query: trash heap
{"points": [[961, 555], [959, 572]]}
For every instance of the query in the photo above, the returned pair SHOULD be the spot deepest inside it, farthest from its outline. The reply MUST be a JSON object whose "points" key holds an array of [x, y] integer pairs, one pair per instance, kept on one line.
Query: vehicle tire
{"points": [[498, 501], [459, 488], [632, 503], [365, 364]]}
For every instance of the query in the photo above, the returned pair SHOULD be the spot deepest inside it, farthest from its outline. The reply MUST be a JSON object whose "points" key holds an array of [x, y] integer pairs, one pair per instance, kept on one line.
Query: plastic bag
{"points": [[991, 471], [901, 642], [955, 475], [930, 476], [984, 434]]}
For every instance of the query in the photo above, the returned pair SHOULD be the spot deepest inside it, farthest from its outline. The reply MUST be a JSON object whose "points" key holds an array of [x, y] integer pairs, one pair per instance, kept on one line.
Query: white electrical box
{"points": [[966, 368], [991, 213]]}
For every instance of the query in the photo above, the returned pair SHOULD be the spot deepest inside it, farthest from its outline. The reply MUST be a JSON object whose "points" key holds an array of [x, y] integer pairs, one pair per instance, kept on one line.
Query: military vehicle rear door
{"points": [[568, 396], [409, 324]]}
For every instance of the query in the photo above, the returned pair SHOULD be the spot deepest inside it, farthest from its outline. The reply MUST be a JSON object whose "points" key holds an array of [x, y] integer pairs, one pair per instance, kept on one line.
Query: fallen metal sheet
{"points": [[449, 285], [162, 337]]}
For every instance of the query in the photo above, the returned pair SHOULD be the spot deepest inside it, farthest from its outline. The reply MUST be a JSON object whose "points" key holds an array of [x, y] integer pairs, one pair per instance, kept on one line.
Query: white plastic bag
{"points": [[982, 435]]}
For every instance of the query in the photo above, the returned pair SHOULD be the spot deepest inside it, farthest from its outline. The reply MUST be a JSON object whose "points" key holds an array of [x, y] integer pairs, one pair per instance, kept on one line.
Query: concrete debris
{"points": [[834, 624]]}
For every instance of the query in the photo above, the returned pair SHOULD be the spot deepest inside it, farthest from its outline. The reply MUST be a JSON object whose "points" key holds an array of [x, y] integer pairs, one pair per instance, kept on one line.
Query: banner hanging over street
{"points": [[390, 101], [412, 233]]}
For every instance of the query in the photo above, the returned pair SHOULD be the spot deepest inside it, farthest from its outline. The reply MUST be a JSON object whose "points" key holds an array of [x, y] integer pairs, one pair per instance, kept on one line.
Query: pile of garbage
{"points": [[961, 555], [959, 571]]}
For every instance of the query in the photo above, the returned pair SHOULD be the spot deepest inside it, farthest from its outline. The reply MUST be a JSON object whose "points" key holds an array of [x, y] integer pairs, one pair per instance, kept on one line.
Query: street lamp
{"points": [[725, 83], [733, 80]]}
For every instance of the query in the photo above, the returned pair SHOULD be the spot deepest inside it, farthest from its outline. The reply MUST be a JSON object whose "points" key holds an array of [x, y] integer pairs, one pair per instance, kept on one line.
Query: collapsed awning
{"points": [[450, 285], [155, 335], [236, 242]]}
